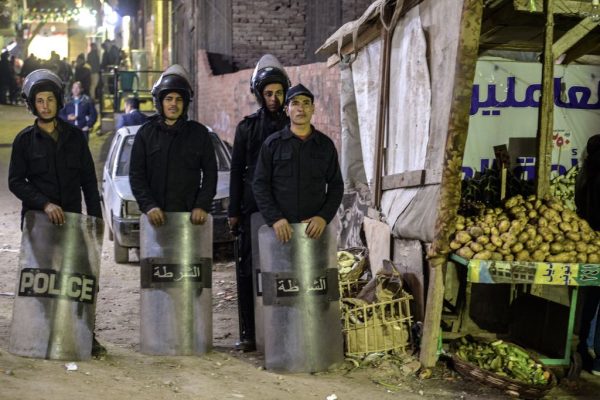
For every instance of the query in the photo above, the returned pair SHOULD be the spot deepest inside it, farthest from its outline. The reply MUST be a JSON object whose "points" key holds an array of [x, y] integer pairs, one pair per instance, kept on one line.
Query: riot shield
{"points": [[256, 221], [302, 327], [55, 303], [176, 295]]}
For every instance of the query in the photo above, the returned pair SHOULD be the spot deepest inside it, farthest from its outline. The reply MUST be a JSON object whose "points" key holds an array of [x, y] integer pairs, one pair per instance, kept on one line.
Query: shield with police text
{"points": [[57, 285], [176, 296], [300, 293]]}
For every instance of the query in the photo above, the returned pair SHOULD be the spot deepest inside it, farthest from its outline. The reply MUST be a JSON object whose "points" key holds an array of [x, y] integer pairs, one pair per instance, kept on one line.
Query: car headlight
{"points": [[131, 209]]}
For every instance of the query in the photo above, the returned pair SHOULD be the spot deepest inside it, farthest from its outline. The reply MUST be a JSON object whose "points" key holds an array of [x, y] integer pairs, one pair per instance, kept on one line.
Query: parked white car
{"points": [[121, 211]]}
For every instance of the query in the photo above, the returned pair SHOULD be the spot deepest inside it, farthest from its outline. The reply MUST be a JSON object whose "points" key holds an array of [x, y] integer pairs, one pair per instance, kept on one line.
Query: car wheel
{"points": [[121, 253]]}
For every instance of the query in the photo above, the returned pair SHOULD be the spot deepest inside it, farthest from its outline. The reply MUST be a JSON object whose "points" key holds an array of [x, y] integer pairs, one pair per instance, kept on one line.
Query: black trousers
{"points": [[590, 306], [244, 279]]}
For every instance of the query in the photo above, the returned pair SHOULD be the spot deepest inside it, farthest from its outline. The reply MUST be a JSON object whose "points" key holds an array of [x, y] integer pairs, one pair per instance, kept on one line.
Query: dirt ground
{"points": [[222, 374]]}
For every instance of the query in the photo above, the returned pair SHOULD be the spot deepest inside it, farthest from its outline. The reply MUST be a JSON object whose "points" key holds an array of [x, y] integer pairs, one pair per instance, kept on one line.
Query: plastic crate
{"points": [[377, 327]]}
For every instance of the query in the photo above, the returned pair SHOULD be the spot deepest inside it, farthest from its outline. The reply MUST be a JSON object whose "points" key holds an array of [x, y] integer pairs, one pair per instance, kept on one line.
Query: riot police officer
{"points": [[173, 165], [269, 84], [51, 164]]}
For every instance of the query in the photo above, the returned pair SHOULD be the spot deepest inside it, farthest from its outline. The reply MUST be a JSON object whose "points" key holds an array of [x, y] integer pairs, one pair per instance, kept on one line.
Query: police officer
{"points": [[51, 164], [269, 84], [173, 165], [297, 176]]}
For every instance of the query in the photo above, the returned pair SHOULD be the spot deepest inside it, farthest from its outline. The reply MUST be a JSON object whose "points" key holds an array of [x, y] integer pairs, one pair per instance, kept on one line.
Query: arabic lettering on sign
{"points": [[292, 287], [574, 97], [176, 272], [525, 168], [287, 287]]}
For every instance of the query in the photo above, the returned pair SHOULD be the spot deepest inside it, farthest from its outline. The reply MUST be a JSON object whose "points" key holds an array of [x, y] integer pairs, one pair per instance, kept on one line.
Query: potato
{"points": [[567, 215], [565, 257], [509, 257], [490, 247], [581, 247], [595, 241], [538, 256], [504, 251], [531, 231], [574, 225], [523, 255], [565, 227], [545, 247], [593, 258], [592, 249], [490, 219], [548, 238], [574, 236], [483, 255], [528, 205], [494, 231], [460, 219], [582, 258], [483, 239], [496, 256], [455, 245], [568, 245], [554, 228], [538, 239], [503, 226], [496, 241], [542, 222], [517, 247], [460, 227], [559, 237], [555, 205], [531, 245], [465, 252], [537, 204], [508, 238], [476, 247], [462, 237], [513, 201], [475, 231], [498, 211], [523, 237], [586, 237], [556, 248], [551, 215]]}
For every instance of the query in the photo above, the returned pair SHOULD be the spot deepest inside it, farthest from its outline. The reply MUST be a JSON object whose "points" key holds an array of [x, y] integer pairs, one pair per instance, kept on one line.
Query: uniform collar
{"points": [[288, 134]]}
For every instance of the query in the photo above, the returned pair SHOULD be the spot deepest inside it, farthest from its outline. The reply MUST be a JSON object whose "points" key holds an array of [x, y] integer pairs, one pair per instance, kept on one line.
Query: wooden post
{"points": [[546, 110], [449, 200]]}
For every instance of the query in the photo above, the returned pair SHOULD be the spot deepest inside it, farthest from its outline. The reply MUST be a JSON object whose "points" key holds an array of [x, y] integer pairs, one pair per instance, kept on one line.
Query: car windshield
{"points": [[221, 153]]}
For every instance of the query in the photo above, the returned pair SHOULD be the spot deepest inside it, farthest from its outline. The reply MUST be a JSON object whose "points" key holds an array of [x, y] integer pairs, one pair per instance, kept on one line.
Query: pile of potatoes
{"points": [[527, 230]]}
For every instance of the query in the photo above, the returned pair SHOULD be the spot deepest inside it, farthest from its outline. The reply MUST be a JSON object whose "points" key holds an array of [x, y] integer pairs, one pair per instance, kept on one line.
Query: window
{"points": [[125, 156]]}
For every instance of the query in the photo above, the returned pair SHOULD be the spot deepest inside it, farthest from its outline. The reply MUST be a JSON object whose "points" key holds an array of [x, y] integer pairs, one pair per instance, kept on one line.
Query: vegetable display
{"points": [[527, 229], [503, 359]]}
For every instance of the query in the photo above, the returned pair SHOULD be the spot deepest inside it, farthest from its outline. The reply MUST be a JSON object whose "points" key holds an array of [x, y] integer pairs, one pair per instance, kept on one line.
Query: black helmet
{"points": [[174, 79], [42, 80], [268, 70]]}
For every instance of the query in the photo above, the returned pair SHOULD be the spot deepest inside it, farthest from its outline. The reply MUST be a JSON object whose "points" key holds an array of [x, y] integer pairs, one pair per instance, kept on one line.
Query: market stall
{"points": [[408, 70]]}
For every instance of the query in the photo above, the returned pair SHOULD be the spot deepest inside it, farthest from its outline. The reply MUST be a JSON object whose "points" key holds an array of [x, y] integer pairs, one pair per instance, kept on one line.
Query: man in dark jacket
{"points": [[133, 115], [269, 84], [587, 200], [297, 176], [51, 163], [173, 164], [80, 111]]}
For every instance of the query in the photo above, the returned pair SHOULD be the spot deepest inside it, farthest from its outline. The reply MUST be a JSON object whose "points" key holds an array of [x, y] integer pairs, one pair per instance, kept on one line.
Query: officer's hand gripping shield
{"points": [[302, 328], [55, 303], [176, 295]]}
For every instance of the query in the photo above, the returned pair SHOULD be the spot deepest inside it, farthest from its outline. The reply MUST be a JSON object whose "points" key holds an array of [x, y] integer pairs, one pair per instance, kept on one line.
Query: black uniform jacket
{"points": [[44, 171], [587, 193], [298, 179], [173, 167], [250, 134]]}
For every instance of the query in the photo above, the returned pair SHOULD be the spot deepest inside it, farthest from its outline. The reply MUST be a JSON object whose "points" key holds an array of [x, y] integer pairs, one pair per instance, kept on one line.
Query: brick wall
{"points": [[278, 27], [222, 101]]}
